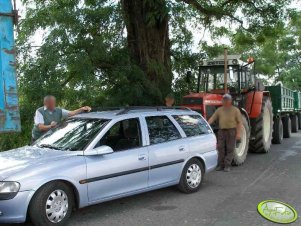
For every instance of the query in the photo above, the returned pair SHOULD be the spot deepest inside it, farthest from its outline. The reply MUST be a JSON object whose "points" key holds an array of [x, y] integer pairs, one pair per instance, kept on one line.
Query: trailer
{"points": [[286, 112], [9, 108]]}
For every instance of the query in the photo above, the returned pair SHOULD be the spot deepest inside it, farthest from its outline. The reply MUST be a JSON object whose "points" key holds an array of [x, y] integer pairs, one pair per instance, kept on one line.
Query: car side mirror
{"points": [[188, 77], [102, 150]]}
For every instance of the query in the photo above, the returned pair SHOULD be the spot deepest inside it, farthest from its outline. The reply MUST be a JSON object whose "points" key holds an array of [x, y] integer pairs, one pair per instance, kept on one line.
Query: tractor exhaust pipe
{"points": [[226, 70]]}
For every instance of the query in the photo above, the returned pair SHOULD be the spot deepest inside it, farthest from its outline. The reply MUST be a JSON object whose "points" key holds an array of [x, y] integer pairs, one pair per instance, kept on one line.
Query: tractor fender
{"points": [[254, 103], [245, 113]]}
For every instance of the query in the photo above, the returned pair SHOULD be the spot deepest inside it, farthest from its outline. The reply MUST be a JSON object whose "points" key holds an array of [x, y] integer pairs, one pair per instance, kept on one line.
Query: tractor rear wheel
{"points": [[263, 128], [241, 150], [287, 126], [277, 131], [295, 123]]}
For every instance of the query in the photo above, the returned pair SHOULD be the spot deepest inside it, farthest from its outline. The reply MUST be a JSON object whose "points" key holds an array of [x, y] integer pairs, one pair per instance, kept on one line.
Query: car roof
{"points": [[135, 112]]}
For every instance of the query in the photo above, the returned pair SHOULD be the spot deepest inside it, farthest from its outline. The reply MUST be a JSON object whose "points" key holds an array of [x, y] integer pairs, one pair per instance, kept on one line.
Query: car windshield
{"points": [[73, 134]]}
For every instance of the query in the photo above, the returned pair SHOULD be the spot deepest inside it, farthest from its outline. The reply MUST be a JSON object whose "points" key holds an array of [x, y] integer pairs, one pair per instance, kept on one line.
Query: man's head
{"points": [[227, 100], [169, 100], [50, 102]]}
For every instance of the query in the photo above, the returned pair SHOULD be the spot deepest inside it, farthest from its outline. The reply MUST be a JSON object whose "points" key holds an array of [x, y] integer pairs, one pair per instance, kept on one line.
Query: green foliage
{"points": [[84, 56]]}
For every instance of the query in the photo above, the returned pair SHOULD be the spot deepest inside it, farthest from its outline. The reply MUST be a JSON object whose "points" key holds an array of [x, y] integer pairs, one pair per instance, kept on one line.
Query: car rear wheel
{"points": [[52, 205], [192, 176]]}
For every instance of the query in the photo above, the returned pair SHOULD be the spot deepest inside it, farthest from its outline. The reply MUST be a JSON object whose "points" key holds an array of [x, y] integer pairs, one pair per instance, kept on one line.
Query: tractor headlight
{"points": [[8, 190]]}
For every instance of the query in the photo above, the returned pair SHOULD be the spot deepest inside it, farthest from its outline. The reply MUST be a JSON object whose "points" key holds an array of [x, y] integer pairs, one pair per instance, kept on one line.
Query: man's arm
{"points": [[78, 111], [44, 128], [39, 122]]}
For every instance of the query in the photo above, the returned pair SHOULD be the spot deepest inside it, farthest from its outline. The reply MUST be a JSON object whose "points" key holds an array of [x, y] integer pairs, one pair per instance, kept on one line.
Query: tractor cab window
{"points": [[213, 78], [246, 78]]}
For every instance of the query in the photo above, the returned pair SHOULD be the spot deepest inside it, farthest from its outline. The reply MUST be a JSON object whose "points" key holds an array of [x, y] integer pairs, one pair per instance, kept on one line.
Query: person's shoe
{"points": [[227, 169], [219, 168]]}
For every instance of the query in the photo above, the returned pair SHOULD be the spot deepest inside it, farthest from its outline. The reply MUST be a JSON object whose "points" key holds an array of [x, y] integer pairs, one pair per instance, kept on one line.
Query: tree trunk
{"points": [[148, 42]]}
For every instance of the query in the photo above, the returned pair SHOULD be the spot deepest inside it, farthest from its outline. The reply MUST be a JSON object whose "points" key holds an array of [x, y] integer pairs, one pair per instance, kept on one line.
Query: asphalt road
{"points": [[225, 199]]}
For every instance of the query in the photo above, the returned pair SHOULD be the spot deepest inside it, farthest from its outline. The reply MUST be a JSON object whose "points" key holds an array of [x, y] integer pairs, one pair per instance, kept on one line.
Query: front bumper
{"points": [[15, 210]]}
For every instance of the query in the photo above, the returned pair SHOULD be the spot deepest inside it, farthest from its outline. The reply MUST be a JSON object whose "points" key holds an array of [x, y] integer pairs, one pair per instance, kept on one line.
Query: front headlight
{"points": [[8, 190]]}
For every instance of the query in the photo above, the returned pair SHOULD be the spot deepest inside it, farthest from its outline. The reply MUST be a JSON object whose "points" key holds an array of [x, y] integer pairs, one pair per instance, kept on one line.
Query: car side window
{"points": [[123, 135], [193, 125], [161, 129]]}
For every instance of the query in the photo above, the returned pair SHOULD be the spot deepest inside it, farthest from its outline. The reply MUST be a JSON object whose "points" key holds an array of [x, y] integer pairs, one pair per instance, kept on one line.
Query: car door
{"points": [[200, 136], [123, 171], [166, 149]]}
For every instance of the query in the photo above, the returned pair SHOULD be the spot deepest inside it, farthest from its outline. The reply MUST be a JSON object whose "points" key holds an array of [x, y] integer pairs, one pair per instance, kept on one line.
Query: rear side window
{"points": [[161, 129], [193, 125]]}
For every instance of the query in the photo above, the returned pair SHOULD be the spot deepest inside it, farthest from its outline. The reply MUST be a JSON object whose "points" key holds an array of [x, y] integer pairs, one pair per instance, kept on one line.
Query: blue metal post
{"points": [[9, 110]]}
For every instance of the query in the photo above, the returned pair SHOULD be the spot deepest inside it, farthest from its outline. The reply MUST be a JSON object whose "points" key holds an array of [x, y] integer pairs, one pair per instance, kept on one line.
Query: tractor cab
{"points": [[213, 82], [240, 78], [229, 74]]}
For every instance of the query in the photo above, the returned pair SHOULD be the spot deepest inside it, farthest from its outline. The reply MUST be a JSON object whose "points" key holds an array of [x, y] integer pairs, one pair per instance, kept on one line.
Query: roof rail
{"points": [[126, 109]]}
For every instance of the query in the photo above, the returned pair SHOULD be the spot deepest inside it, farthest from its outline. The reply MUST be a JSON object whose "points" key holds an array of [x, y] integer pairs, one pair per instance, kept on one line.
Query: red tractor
{"points": [[228, 74]]}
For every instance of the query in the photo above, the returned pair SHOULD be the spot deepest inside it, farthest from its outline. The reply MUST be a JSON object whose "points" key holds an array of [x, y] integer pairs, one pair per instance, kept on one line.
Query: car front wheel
{"points": [[192, 176], [52, 205]]}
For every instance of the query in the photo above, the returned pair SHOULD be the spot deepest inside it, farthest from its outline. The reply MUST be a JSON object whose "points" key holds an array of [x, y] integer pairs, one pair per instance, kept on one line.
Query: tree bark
{"points": [[148, 41]]}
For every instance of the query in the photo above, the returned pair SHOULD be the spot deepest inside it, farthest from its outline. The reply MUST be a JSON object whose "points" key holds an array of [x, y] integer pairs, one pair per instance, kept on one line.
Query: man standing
{"points": [[48, 116], [169, 100], [230, 122]]}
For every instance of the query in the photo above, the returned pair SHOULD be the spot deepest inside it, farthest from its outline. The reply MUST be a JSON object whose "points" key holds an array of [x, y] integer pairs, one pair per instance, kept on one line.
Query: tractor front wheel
{"points": [[263, 128], [241, 150]]}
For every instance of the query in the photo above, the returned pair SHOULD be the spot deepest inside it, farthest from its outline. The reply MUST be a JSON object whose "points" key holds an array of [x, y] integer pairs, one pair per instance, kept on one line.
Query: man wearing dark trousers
{"points": [[230, 122]]}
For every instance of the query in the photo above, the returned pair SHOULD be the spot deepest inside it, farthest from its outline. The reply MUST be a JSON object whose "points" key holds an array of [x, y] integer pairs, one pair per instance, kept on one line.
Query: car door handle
{"points": [[142, 158], [181, 148]]}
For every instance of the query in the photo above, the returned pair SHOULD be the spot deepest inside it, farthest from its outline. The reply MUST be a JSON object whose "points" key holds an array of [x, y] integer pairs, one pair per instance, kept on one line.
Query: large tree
{"points": [[125, 50]]}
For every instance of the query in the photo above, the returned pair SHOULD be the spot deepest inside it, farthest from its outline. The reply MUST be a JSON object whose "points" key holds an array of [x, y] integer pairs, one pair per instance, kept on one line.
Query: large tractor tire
{"points": [[277, 131], [287, 126], [241, 150], [295, 123], [263, 128]]}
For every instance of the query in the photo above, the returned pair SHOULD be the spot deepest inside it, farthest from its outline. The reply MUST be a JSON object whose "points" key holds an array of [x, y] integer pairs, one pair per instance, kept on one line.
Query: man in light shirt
{"points": [[48, 116]]}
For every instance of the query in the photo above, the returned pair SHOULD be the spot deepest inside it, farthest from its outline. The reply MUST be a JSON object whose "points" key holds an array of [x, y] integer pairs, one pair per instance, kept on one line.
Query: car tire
{"points": [[61, 202], [192, 176]]}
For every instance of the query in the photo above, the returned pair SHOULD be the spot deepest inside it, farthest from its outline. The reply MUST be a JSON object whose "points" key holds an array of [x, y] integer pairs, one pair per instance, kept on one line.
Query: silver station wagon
{"points": [[100, 156]]}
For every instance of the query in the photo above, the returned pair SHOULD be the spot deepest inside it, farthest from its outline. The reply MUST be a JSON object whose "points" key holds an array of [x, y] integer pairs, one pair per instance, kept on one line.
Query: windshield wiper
{"points": [[48, 146]]}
